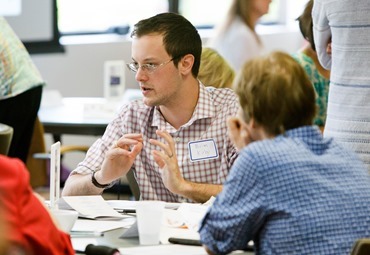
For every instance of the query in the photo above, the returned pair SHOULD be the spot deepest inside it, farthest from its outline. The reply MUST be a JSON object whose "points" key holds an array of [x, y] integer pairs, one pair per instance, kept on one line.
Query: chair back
{"points": [[361, 247], [37, 168], [133, 184], [6, 135]]}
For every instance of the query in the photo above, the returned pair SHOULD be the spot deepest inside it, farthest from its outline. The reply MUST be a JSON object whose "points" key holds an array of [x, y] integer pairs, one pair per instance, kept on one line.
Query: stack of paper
{"points": [[92, 207]]}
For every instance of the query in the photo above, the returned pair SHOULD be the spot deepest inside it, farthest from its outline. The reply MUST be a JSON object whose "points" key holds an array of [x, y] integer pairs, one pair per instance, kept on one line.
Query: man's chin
{"points": [[148, 102]]}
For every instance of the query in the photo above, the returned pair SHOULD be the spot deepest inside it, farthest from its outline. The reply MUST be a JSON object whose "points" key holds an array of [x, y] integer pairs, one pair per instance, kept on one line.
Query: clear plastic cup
{"points": [[149, 216]]}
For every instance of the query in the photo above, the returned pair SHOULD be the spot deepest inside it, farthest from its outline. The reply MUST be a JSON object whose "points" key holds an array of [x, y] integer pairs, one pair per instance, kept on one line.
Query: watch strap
{"points": [[99, 185]]}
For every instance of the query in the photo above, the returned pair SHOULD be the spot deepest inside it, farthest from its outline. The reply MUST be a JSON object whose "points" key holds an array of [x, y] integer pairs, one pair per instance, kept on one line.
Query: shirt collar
{"points": [[205, 108], [306, 133]]}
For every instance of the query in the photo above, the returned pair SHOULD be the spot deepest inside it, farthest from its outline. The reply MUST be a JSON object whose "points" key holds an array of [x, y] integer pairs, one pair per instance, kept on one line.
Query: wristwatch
{"points": [[97, 184]]}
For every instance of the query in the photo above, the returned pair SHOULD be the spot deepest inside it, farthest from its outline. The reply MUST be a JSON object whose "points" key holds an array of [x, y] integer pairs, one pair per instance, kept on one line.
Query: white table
{"points": [[80, 115], [131, 246], [175, 215]]}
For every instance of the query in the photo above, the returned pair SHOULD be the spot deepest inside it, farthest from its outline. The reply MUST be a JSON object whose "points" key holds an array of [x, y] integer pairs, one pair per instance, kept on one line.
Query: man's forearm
{"points": [[200, 192], [80, 185]]}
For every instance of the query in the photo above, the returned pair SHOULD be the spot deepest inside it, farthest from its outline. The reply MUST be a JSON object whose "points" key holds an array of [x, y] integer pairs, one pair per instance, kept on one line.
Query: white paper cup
{"points": [[149, 216], [65, 218]]}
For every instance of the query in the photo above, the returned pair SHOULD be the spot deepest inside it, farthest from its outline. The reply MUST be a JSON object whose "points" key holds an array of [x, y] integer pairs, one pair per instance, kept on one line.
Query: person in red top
{"points": [[30, 227]]}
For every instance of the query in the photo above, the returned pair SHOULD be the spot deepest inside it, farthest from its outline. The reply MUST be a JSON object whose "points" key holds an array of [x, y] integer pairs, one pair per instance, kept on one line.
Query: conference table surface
{"points": [[131, 246], [78, 116]]}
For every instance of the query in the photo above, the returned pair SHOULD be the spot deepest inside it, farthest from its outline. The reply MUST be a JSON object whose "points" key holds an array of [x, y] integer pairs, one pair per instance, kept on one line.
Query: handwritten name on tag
{"points": [[202, 150]]}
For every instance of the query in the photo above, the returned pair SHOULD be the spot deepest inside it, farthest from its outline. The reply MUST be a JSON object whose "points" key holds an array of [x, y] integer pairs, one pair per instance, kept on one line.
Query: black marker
{"points": [[184, 241]]}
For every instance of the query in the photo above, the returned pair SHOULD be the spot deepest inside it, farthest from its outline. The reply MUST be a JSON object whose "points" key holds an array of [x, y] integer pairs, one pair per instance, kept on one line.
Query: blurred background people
{"points": [[30, 228], [214, 70], [236, 38], [308, 59], [346, 25], [20, 90]]}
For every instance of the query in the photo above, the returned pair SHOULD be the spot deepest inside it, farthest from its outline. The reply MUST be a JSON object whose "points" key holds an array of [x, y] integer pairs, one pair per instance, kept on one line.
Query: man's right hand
{"points": [[119, 158]]}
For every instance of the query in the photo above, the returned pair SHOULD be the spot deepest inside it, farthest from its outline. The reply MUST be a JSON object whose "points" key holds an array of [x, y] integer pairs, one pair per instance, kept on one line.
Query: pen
{"points": [[125, 211], [86, 234]]}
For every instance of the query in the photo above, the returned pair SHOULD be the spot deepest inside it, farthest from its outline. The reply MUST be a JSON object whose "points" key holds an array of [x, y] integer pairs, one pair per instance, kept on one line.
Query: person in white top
{"points": [[345, 28], [236, 38]]}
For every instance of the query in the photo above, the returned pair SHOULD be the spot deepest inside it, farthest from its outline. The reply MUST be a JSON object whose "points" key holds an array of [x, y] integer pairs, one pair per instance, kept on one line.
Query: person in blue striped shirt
{"points": [[291, 191]]}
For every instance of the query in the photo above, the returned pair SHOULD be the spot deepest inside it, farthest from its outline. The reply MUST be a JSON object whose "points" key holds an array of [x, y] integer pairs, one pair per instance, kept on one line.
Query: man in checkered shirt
{"points": [[175, 139], [290, 191]]}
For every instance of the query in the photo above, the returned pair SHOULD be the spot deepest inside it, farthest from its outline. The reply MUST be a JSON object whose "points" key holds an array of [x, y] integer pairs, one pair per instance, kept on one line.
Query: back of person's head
{"points": [[180, 37], [276, 92], [306, 25], [214, 70]]}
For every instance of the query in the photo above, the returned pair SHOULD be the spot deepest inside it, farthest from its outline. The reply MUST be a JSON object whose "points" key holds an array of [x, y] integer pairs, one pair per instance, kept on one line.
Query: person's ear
{"points": [[252, 123], [186, 64], [238, 132], [234, 123]]}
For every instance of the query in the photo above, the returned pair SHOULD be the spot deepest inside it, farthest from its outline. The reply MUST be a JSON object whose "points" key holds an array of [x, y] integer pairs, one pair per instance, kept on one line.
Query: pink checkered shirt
{"points": [[208, 122]]}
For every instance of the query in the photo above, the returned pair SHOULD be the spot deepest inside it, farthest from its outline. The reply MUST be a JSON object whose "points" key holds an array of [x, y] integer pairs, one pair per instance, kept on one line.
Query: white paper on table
{"points": [[163, 250], [133, 231], [192, 214], [93, 207], [102, 225], [188, 215], [122, 204]]}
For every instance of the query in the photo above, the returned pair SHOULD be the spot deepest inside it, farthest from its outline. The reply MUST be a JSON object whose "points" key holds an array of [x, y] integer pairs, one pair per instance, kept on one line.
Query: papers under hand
{"points": [[92, 207], [86, 234], [187, 215]]}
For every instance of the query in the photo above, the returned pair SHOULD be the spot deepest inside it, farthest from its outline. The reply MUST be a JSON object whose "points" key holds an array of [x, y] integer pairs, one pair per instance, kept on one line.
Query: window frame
{"points": [[51, 46], [174, 6]]}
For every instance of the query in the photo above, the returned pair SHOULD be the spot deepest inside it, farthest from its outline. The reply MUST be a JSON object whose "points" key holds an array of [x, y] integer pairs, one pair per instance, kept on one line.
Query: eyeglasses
{"points": [[148, 68]]}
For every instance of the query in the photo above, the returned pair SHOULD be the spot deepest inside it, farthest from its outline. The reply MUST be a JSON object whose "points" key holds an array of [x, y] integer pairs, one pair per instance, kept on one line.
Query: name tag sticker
{"points": [[202, 150]]}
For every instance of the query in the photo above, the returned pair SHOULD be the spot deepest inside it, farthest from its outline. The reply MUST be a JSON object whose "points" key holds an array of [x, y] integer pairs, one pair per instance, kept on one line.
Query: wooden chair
{"points": [[361, 247], [6, 135]]}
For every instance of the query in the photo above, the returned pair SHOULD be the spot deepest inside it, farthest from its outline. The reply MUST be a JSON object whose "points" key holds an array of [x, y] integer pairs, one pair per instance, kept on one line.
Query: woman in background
{"points": [[214, 70], [20, 90], [308, 59], [236, 39]]}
